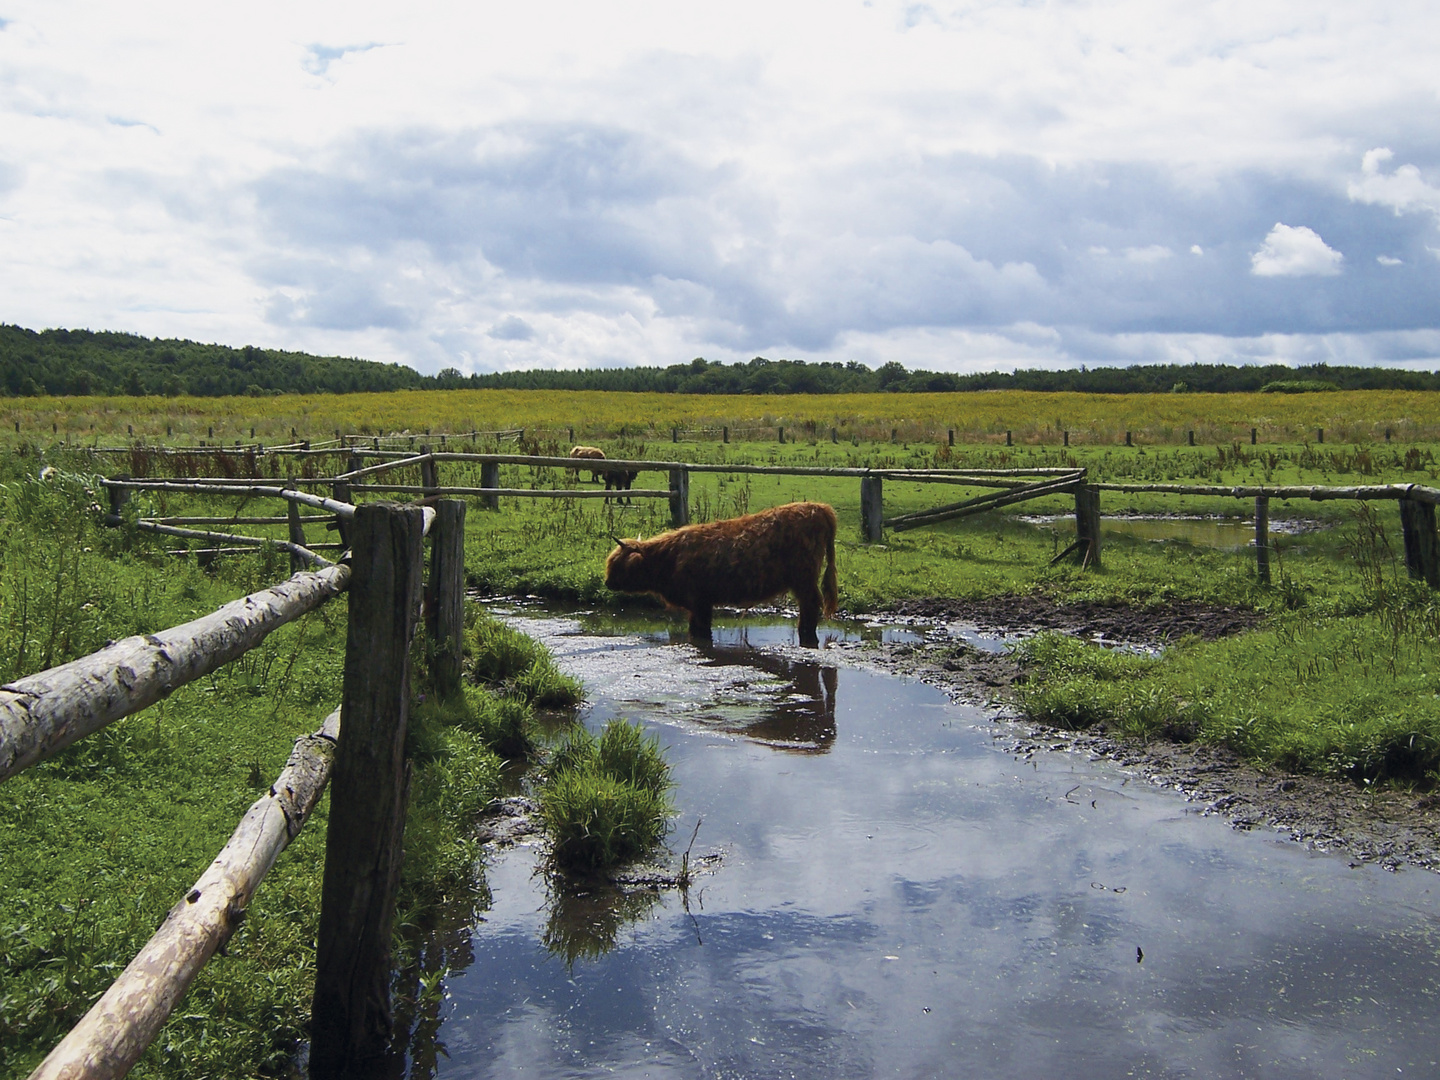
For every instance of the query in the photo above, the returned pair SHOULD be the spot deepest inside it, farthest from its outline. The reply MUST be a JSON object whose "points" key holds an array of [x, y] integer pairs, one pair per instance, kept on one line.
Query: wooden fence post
{"points": [[1066, 435], [950, 435], [445, 596], [872, 508], [297, 531], [1253, 433], [679, 497], [1320, 435], [340, 492], [490, 478], [1087, 525], [351, 1019], [674, 434], [1190, 438], [119, 496], [1009, 441], [1127, 439], [429, 473], [780, 434], [1422, 549], [1262, 539]]}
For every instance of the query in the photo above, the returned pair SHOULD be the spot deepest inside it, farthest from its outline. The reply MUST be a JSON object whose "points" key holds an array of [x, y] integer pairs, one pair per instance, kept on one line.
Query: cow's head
{"points": [[625, 568]]}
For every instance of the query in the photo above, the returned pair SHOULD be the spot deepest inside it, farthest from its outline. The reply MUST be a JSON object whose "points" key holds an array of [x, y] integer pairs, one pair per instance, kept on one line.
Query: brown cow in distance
{"points": [[588, 453], [742, 561]]}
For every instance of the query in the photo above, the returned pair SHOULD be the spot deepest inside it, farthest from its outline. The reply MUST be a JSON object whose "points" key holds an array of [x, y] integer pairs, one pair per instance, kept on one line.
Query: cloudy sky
{"points": [[959, 186]]}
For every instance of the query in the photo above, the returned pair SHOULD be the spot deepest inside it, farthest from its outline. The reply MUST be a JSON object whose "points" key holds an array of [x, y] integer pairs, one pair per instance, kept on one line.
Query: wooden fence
{"points": [[359, 750], [1416, 502]]}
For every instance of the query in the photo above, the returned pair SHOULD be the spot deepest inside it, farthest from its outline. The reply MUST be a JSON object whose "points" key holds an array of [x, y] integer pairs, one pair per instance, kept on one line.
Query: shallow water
{"points": [[900, 897], [1225, 534]]}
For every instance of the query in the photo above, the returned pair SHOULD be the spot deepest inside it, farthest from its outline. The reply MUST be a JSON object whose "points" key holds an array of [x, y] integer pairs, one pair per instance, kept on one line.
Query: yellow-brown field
{"points": [[1345, 416]]}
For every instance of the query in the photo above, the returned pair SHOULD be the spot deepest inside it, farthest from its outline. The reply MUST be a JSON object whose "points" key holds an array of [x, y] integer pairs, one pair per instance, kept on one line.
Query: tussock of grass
{"points": [[503, 658], [1345, 697], [606, 799]]}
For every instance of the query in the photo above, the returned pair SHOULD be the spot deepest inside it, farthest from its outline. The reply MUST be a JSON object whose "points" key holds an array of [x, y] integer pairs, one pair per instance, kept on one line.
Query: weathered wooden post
{"points": [[1190, 437], [725, 434], [674, 434], [1127, 439], [351, 1019], [1009, 440], [1253, 433], [1422, 549], [1087, 525], [834, 434], [340, 492], [429, 474], [679, 497], [1066, 435], [445, 596], [572, 436], [297, 531], [950, 435], [119, 496], [780, 434], [1262, 539], [1320, 435], [490, 478], [872, 508]]}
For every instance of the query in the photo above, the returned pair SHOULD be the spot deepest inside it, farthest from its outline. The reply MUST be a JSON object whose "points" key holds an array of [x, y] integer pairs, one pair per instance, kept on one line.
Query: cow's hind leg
{"points": [[808, 597], [700, 616]]}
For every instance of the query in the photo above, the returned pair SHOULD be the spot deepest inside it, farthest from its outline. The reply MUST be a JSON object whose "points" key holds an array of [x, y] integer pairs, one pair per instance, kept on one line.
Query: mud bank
{"points": [[1385, 827]]}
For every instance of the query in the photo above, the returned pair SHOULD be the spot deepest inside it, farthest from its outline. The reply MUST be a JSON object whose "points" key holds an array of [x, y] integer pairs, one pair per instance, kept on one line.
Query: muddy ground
{"points": [[1389, 827]]}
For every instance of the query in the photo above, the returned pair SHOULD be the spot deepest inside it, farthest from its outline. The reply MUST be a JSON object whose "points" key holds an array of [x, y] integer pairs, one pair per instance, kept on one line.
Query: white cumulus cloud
{"points": [[1404, 190], [1295, 251]]}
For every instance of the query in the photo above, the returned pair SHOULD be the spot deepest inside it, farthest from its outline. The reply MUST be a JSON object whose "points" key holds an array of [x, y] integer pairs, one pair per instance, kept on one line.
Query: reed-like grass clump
{"points": [[508, 661], [607, 799]]}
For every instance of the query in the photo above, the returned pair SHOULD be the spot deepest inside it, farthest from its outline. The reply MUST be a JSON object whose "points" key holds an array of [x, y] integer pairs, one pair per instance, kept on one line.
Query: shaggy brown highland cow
{"points": [[742, 561], [589, 453]]}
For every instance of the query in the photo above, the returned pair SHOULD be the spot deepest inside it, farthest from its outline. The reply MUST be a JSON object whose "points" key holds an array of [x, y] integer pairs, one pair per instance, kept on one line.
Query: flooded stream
{"points": [[898, 896]]}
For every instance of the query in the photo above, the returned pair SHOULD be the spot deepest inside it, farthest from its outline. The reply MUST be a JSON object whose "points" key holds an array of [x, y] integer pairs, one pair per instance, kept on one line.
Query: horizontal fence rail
{"points": [[43, 713], [112, 1036], [1418, 492], [300, 551]]}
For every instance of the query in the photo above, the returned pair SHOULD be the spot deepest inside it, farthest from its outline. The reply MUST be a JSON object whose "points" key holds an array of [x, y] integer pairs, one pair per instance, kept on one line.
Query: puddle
{"points": [[898, 897], [1225, 534]]}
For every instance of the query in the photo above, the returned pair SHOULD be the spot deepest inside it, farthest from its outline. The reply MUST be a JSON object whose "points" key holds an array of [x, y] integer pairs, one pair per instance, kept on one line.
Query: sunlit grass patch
{"points": [[606, 799]]}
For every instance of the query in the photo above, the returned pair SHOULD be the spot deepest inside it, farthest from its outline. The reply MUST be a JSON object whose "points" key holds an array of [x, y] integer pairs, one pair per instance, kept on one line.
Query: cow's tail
{"points": [[829, 587]]}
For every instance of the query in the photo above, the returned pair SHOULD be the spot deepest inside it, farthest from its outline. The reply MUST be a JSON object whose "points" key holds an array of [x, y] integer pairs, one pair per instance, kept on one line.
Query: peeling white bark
{"points": [[110, 1038], [42, 714]]}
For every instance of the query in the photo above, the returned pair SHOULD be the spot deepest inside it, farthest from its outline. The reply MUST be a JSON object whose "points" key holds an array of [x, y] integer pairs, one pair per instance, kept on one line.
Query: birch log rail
{"points": [[300, 551], [110, 1038], [43, 713]]}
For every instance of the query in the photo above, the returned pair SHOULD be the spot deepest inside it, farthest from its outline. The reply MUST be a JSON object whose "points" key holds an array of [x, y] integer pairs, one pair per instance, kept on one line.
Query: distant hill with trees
{"points": [[78, 362]]}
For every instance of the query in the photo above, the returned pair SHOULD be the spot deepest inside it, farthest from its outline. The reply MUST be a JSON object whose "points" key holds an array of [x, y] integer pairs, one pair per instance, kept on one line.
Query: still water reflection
{"points": [[904, 899]]}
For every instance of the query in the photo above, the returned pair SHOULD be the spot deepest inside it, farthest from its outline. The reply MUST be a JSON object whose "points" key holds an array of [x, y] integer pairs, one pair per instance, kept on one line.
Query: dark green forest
{"points": [[80, 362]]}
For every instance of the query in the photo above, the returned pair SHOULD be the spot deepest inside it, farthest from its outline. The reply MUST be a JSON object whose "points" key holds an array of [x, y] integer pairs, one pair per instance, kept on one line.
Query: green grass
{"points": [[99, 842], [605, 799]]}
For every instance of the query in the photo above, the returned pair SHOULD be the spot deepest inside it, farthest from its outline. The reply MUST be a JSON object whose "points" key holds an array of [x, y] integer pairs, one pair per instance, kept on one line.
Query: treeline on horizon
{"points": [[85, 362]]}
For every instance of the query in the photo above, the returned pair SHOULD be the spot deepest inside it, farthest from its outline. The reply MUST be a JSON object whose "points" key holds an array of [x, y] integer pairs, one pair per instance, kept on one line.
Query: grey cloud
{"points": [[318, 58], [576, 212], [11, 177], [332, 298], [512, 328]]}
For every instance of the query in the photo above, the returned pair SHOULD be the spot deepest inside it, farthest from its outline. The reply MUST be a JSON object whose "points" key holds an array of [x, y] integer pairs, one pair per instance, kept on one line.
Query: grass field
{"points": [[1032, 418], [1341, 679]]}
